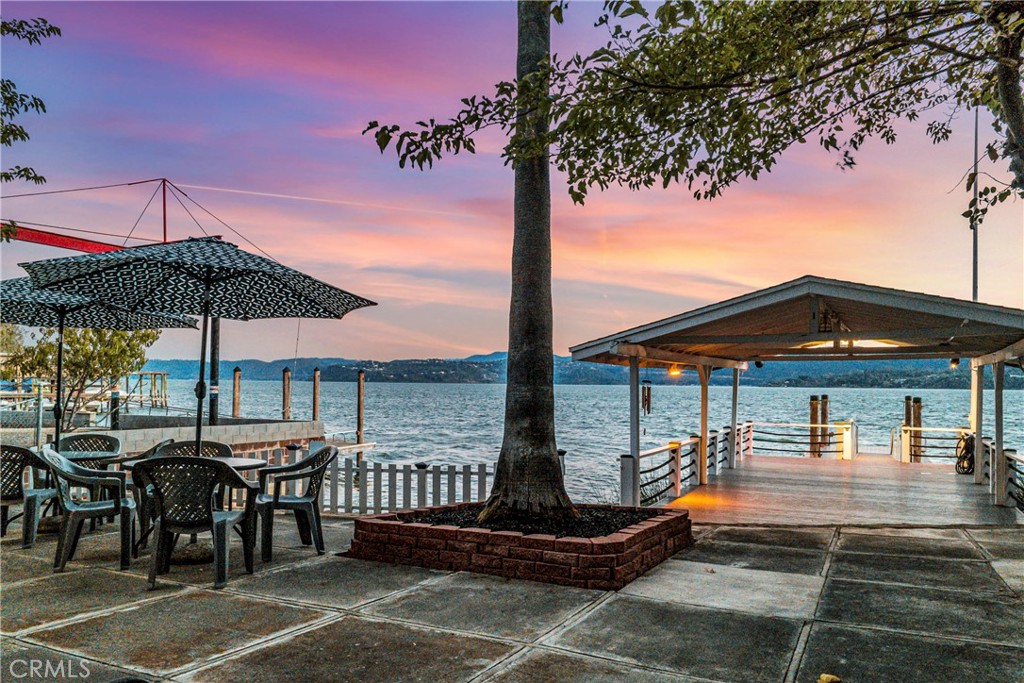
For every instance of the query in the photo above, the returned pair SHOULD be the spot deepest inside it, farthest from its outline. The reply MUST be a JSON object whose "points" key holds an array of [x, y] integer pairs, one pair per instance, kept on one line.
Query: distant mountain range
{"points": [[490, 369]]}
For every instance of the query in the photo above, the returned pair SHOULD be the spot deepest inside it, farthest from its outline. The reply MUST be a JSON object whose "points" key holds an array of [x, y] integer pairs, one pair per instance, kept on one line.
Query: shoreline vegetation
{"points": [[490, 369]]}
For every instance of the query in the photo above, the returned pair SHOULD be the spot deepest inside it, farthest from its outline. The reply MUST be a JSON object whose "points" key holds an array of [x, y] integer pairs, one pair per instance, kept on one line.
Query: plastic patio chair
{"points": [[183, 495], [103, 443], [13, 462], [306, 507], [210, 449], [67, 474], [143, 500]]}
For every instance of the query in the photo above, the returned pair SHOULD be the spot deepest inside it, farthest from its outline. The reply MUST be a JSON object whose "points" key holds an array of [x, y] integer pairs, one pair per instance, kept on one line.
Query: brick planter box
{"points": [[606, 562]]}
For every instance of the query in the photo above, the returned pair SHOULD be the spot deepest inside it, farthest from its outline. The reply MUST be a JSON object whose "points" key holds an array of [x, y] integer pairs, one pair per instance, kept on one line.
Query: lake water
{"points": [[462, 423]]}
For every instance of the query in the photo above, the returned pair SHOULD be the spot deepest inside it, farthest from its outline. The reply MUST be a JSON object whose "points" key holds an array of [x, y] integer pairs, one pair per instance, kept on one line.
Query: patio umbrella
{"points": [[23, 304], [199, 276]]}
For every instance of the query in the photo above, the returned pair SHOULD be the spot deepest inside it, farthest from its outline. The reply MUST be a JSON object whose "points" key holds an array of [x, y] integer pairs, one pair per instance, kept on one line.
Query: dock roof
{"points": [[817, 318]]}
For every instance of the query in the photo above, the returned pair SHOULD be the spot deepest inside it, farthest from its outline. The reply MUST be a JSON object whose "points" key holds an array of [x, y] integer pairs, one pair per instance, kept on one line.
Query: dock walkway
{"points": [[868, 490]]}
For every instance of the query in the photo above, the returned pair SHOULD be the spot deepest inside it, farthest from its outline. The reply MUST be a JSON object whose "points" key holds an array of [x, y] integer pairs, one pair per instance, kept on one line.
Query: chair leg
{"points": [[127, 537], [4, 512], [249, 543], [317, 528], [303, 523], [70, 530], [30, 522], [267, 539], [157, 555], [220, 553], [75, 539]]}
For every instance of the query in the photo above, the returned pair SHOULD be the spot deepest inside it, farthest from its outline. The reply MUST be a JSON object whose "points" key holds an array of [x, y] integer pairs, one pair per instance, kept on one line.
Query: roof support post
{"points": [[704, 372], [1000, 472], [632, 496], [733, 436], [977, 410]]}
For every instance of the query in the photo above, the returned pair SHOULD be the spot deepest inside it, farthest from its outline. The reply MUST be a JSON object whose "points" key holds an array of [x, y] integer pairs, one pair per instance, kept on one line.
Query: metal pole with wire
{"points": [[974, 221]]}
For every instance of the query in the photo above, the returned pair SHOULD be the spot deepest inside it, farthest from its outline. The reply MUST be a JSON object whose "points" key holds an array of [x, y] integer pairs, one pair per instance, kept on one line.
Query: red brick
{"points": [[519, 553], [518, 566], [592, 573], [539, 541], [431, 543], [627, 557], [369, 537], [395, 539], [569, 559], [413, 529], [444, 531], [613, 544], [461, 546], [488, 561], [627, 570], [545, 569], [499, 550], [399, 551], [424, 554], [460, 560], [474, 535], [573, 544], [510, 538], [587, 561]]}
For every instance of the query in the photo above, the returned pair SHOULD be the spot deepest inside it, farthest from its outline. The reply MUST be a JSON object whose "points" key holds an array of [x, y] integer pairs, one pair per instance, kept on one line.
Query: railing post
{"points": [[561, 460], [713, 448], [905, 445], [748, 429], [977, 412], [629, 484], [677, 473], [733, 427], [1007, 500]]}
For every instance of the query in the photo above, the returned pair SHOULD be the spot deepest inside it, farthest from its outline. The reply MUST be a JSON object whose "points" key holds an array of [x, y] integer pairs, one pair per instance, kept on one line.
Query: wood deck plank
{"points": [[869, 490]]}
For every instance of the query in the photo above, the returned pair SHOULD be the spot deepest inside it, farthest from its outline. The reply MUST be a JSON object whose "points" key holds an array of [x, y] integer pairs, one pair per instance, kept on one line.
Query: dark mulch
{"points": [[593, 522]]}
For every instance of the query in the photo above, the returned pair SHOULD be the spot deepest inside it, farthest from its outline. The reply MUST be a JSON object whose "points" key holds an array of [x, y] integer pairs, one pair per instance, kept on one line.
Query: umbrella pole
{"points": [[58, 401], [201, 384]]}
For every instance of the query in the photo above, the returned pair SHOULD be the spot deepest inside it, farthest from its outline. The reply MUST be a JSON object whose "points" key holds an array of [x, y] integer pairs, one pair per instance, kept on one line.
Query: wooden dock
{"points": [[868, 490]]}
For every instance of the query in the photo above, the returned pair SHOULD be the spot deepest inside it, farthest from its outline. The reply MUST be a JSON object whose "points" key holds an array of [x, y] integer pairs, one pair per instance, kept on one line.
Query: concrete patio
{"points": [[745, 604]]}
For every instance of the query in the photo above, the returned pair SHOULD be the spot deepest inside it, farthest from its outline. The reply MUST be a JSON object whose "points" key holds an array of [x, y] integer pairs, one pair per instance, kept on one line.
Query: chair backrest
{"points": [[153, 450], [318, 462], [60, 467], [89, 442], [183, 489], [210, 449], [13, 461]]}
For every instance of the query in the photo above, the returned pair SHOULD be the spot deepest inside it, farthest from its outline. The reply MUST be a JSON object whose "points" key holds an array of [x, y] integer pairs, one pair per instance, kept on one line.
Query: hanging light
{"points": [[954, 363], [675, 371], [758, 364]]}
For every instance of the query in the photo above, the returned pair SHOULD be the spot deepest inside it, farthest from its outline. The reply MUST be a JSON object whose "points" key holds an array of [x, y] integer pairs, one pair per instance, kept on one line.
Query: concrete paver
{"points": [[755, 556], [775, 594]]}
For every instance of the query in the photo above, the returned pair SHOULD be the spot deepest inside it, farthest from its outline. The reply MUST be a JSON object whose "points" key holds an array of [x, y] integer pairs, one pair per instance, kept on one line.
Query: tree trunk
{"points": [[1009, 45], [528, 481]]}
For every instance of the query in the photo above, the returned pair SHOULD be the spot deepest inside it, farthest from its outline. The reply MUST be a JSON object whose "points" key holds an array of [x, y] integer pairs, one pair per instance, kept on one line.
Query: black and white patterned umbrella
{"points": [[23, 304], [201, 276]]}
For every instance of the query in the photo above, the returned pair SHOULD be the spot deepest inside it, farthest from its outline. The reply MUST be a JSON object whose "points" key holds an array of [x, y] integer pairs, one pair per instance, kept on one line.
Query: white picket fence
{"points": [[363, 487]]}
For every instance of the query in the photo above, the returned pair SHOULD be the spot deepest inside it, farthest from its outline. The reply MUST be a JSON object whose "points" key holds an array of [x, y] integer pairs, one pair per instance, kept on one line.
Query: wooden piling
{"points": [[917, 445], [823, 442], [236, 393], [815, 415], [360, 408], [316, 394], [286, 394]]}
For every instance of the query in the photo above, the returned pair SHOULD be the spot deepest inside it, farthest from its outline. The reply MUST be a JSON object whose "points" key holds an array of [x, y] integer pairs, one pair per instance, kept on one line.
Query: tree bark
{"points": [[1009, 46], [528, 481]]}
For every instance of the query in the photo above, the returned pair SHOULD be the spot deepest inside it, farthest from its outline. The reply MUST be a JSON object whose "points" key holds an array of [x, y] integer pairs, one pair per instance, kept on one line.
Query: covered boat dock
{"points": [[816, 318]]}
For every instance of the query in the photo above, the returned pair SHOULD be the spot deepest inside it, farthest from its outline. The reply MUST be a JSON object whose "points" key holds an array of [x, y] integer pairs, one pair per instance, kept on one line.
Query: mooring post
{"points": [[286, 394], [236, 393], [360, 409], [823, 432], [815, 414], [917, 438], [316, 394]]}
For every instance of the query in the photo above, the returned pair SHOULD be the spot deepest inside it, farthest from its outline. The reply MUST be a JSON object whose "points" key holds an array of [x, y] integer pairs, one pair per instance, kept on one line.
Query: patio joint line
{"points": [[630, 663], [926, 634], [575, 618], [796, 659]]}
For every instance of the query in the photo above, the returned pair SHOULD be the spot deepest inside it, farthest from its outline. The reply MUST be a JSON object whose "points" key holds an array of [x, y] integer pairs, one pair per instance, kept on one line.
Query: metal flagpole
{"points": [[974, 222]]}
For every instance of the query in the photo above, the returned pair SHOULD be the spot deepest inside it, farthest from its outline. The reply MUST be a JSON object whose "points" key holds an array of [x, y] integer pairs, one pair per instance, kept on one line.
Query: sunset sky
{"points": [[256, 109]]}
